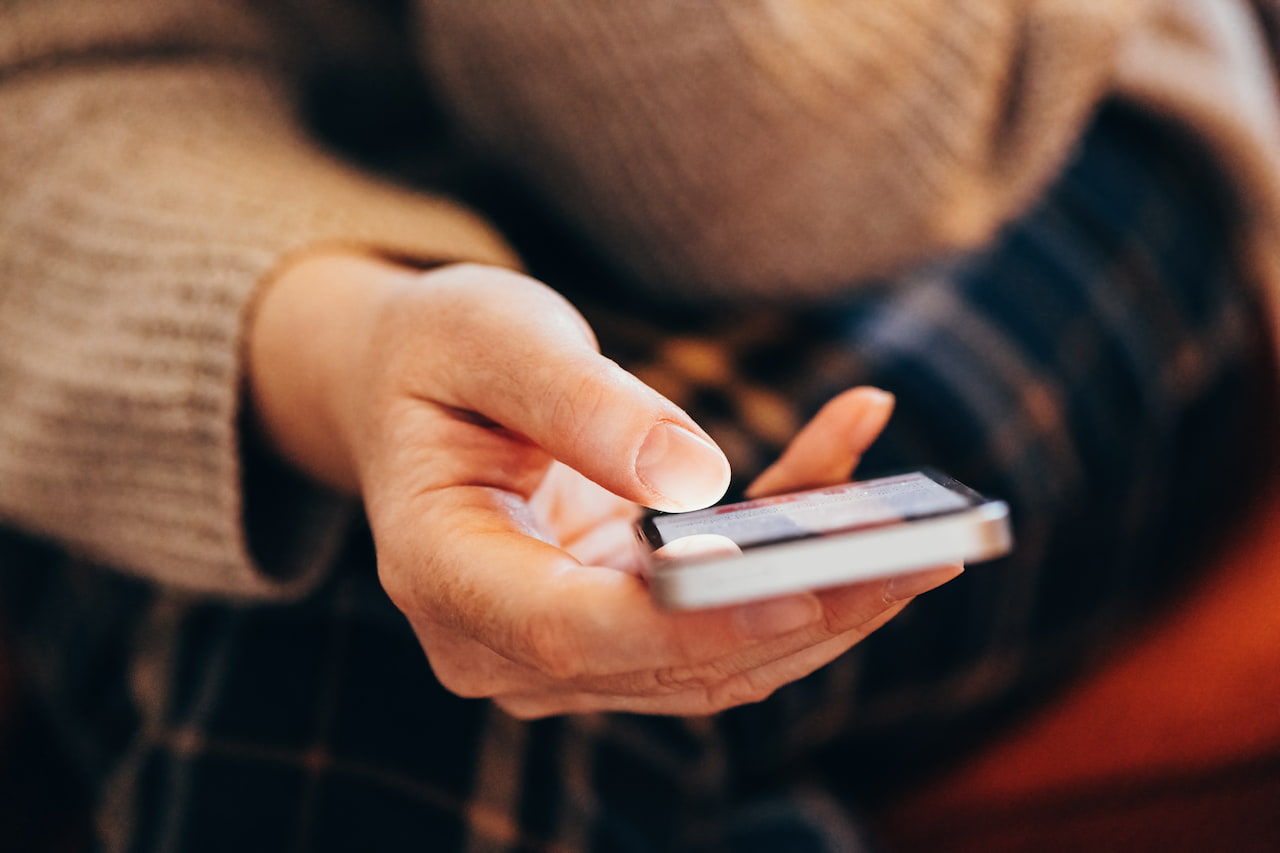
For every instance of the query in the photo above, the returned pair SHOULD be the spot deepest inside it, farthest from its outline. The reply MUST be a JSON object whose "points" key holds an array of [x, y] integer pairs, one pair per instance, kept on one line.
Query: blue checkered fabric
{"points": [[1093, 367]]}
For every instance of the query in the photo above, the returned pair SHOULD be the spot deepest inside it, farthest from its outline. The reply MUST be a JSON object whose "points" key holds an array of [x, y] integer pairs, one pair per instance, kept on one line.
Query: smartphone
{"points": [[819, 538]]}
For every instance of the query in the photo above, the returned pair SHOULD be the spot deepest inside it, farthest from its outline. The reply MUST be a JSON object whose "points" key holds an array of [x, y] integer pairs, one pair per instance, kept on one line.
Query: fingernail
{"points": [[777, 616], [877, 396], [901, 587], [686, 470], [877, 406]]}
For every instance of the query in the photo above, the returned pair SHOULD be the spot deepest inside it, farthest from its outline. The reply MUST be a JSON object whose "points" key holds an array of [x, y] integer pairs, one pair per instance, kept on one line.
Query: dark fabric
{"points": [[1091, 367]]}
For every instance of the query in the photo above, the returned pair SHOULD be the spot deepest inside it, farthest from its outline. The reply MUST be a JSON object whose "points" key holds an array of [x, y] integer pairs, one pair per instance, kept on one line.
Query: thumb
{"points": [[541, 376]]}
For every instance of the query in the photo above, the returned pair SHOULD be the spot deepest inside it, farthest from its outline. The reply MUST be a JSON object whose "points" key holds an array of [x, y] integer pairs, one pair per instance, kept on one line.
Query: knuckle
{"points": [[576, 407], [849, 608], [835, 621], [738, 690], [685, 677], [672, 679]]}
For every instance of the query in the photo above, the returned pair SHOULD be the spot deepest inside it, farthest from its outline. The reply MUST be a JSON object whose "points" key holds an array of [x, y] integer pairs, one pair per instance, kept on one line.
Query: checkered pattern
{"points": [[1092, 367]]}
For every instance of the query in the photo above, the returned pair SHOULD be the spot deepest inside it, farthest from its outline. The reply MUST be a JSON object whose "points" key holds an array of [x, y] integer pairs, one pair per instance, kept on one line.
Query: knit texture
{"points": [[779, 148], [154, 175], [1210, 66], [152, 180], [1038, 370]]}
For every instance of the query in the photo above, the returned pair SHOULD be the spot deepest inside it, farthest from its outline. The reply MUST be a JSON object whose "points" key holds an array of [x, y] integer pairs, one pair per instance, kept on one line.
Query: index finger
{"points": [[829, 447]]}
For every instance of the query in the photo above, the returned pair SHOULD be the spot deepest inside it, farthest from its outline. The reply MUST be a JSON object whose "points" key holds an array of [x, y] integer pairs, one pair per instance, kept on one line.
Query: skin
{"points": [[502, 459]]}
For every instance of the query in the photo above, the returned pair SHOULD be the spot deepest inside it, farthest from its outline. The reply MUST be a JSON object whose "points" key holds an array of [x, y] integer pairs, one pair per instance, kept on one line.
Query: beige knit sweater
{"points": [[153, 173]]}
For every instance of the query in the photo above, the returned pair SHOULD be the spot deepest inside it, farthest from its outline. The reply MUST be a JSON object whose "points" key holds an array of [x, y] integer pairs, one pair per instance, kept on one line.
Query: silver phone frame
{"points": [[979, 531]]}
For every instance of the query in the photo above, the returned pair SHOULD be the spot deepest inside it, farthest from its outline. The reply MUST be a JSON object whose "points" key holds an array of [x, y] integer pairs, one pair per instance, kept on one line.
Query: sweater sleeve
{"points": [[153, 175], [790, 147]]}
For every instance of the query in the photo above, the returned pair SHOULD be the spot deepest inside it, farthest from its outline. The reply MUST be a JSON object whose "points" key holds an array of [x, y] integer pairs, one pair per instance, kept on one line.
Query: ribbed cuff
{"points": [[144, 206]]}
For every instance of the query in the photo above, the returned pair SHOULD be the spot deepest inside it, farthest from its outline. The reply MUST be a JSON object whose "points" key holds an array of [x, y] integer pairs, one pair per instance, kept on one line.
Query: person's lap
{"points": [[1090, 367]]}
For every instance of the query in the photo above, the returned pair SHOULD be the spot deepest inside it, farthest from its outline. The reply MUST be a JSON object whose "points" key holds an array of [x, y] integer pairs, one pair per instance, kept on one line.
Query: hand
{"points": [[445, 399]]}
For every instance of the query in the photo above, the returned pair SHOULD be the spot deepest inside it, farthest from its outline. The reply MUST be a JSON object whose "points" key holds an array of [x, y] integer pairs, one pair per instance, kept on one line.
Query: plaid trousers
{"points": [[1092, 366]]}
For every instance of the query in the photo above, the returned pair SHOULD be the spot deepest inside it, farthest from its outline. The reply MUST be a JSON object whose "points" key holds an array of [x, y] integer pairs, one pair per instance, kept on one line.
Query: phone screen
{"points": [[820, 538], [837, 509]]}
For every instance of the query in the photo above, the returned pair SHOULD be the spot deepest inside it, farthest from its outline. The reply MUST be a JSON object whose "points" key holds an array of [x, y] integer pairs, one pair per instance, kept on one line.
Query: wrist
{"points": [[307, 351]]}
